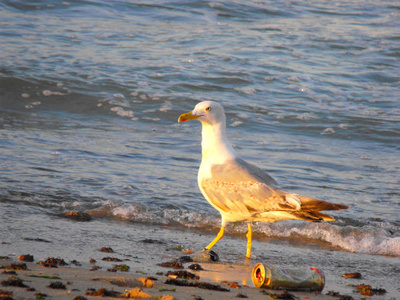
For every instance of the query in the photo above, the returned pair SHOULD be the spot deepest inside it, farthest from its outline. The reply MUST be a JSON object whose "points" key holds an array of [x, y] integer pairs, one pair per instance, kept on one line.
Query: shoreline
{"points": [[143, 248]]}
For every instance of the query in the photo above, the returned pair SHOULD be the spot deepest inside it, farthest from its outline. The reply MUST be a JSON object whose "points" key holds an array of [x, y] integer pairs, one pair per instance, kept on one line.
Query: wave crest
{"points": [[367, 237]]}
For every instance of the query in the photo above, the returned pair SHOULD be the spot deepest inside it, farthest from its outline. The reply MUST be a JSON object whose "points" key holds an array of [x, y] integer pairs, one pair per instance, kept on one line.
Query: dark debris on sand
{"points": [[106, 249], [182, 274], [195, 267], [15, 266], [122, 268], [80, 298], [111, 258], [232, 284], [75, 263], [52, 262], [37, 240], [171, 264], [6, 295], [202, 285], [284, 295], [26, 257], [13, 281], [11, 272], [151, 241], [367, 290], [102, 293], [57, 285], [339, 296], [40, 296], [95, 268]]}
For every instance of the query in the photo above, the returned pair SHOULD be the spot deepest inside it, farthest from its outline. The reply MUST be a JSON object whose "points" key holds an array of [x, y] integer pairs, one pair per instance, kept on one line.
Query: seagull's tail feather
{"points": [[311, 216], [311, 204], [310, 209]]}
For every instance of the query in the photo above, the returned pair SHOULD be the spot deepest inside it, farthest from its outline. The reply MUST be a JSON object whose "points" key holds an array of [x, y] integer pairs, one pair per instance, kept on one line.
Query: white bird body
{"points": [[241, 191]]}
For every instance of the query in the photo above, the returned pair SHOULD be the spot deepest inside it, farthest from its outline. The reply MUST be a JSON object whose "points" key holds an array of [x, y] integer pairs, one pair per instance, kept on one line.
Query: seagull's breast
{"points": [[207, 166]]}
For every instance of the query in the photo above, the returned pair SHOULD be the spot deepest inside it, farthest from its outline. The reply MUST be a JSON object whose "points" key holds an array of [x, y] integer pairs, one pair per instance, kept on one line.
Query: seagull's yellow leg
{"points": [[219, 236], [249, 237]]}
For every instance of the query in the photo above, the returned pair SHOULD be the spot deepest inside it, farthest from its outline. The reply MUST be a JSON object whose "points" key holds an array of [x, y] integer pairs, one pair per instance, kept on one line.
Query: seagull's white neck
{"points": [[215, 145]]}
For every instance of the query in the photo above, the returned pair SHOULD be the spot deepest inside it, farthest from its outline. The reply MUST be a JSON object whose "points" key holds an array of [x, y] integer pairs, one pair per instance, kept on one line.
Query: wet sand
{"points": [[145, 247], [80, 279]]}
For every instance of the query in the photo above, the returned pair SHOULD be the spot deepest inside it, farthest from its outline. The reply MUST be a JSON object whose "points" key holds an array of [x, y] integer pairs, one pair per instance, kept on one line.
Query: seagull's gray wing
{"points": [[240, 189]]}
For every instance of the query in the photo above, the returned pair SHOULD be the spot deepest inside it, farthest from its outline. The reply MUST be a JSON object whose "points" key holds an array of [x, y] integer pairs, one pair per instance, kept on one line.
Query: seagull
{"points": [[241, 191]]}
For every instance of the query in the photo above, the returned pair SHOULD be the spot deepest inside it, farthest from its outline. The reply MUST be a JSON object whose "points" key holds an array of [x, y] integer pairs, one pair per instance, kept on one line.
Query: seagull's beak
{"points": [[187, 117]]}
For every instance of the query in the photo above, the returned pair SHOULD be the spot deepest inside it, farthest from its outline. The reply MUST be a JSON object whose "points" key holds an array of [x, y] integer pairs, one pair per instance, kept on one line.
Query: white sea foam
{"points": [[366, 238], [50, 93], [236, 123], [328, 131], [119, 95], [163, 216], [246, 90], [121, 112]]}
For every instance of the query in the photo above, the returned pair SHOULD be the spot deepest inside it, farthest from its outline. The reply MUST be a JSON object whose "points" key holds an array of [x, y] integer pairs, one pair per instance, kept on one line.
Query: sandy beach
{"points": [[72, 282], [107, 275]]}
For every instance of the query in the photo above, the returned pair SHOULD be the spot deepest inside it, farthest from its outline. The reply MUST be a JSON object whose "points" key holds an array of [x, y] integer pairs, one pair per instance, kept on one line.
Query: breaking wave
{"points": [[367, 237], [371, 237]]}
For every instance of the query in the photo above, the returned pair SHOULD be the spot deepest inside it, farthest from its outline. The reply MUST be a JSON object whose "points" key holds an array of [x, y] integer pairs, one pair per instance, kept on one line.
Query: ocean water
{"points": [[90, 94]]}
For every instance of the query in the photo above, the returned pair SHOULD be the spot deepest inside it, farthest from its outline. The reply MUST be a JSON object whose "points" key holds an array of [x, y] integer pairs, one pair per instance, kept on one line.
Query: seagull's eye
{"points": [[208, 109]]}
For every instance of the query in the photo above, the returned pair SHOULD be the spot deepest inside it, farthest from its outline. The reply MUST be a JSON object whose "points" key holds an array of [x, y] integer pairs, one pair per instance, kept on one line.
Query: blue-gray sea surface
{"points": [[90, 93]]}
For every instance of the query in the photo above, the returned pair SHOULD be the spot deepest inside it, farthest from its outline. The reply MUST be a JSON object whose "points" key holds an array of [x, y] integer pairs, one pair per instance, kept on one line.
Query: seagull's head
{"points": [[207, 112]]}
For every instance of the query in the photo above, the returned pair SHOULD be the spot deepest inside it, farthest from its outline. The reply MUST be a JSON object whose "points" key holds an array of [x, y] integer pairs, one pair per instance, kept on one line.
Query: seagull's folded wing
{"points": [[241, 191]]}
